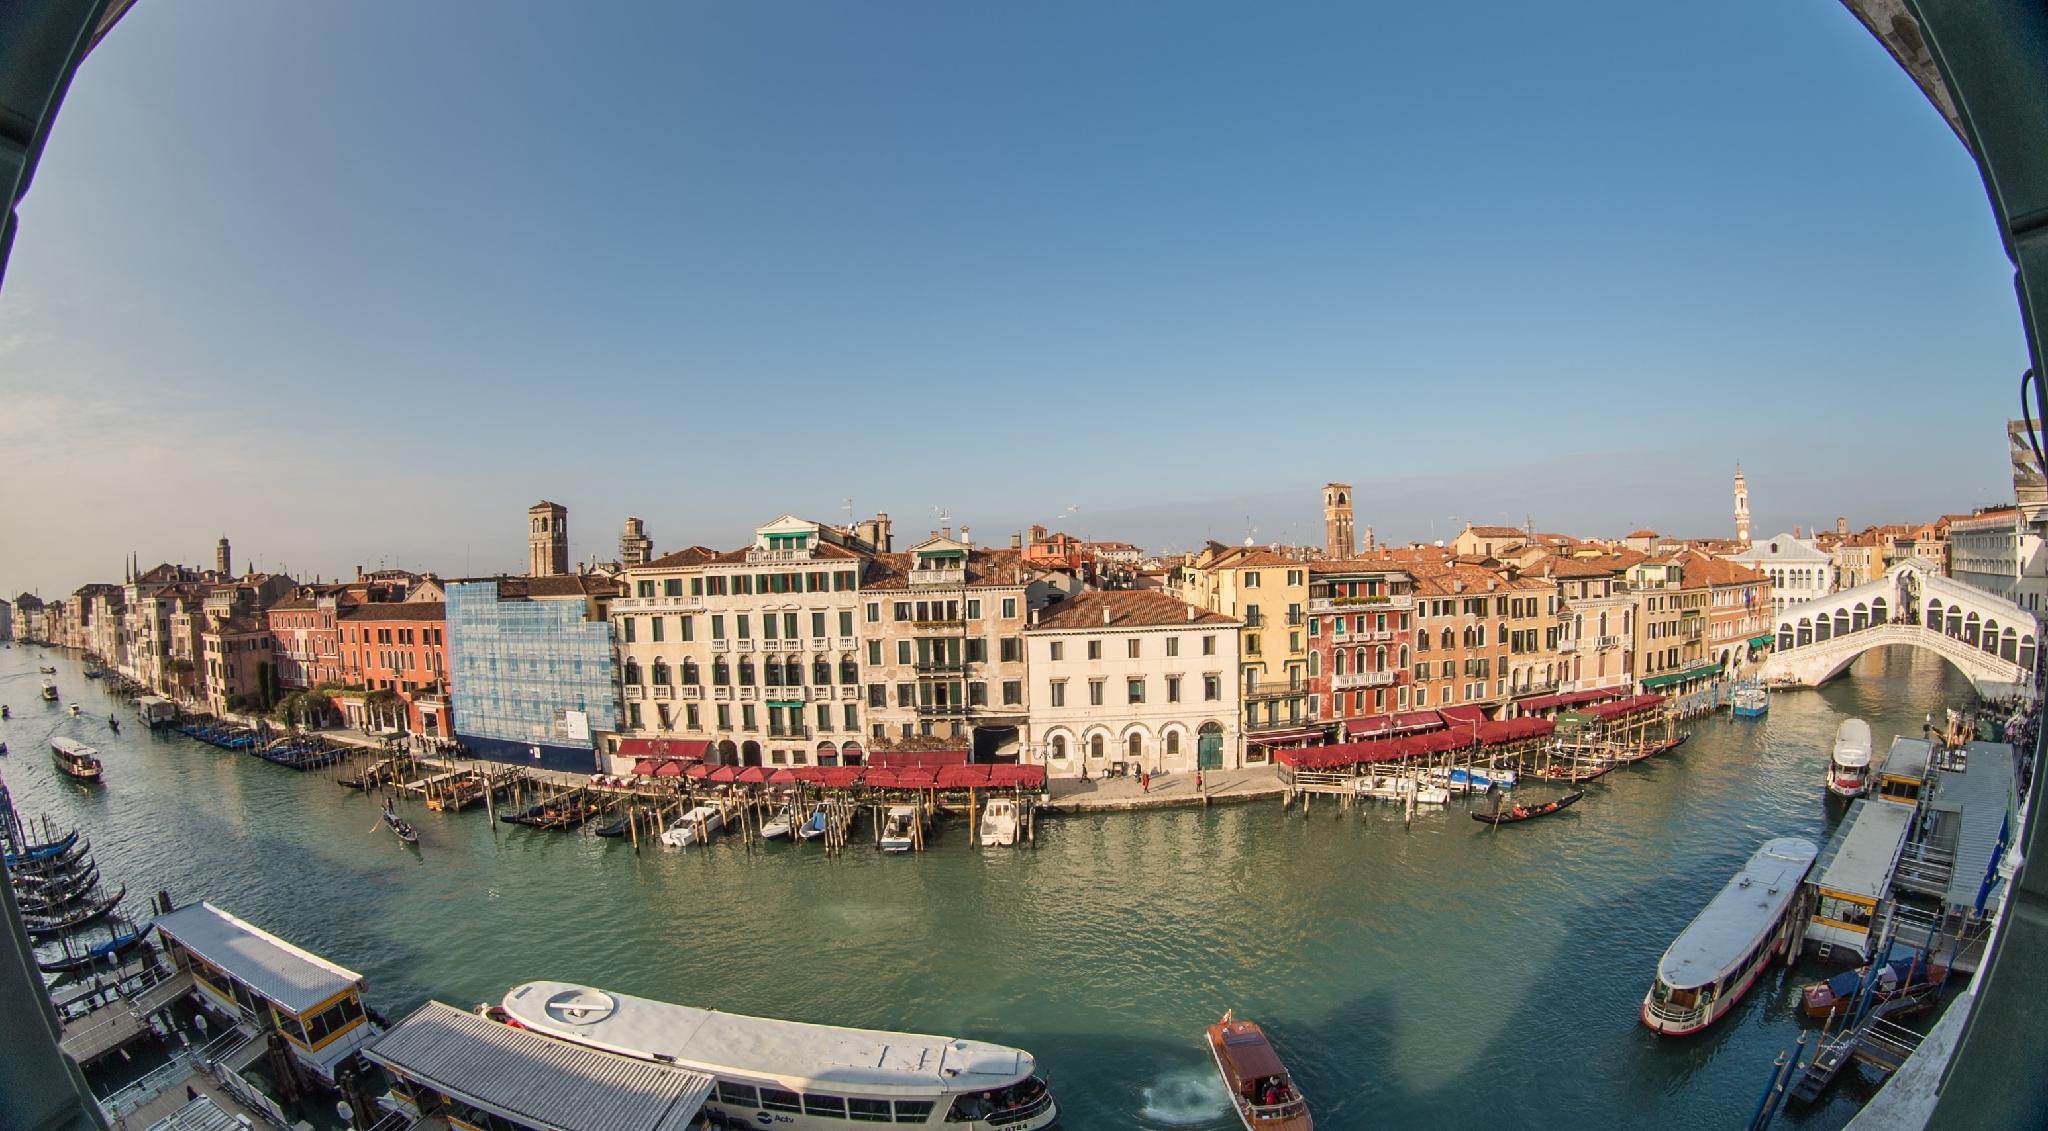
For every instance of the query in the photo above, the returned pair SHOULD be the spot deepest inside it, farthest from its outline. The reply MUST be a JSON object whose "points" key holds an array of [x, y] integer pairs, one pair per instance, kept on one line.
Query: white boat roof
{"points": [[1852, 743], [1860, 858], [1908, 758], [535, 1080], [72, 746], [296, 980], [804, 1056], [1739, 915]]}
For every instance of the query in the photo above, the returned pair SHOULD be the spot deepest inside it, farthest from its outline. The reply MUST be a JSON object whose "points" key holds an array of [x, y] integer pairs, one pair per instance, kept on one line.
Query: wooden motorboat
{"points": [[1897, 978], [814, 828], [1260, 1088], [49, 692], [1514, 813], [1572, 773]]}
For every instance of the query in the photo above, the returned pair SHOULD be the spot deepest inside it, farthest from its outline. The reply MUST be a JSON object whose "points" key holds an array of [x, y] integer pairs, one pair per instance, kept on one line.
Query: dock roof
{"points": [[1860, 857], [537, 1080], [1738, 916], [296, 980], [1983, 794], [1908, 758]]}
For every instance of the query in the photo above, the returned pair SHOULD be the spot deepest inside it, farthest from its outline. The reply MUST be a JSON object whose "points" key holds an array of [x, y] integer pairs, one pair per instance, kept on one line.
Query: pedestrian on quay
{"points": [[1199, 787], [1144, 781]]}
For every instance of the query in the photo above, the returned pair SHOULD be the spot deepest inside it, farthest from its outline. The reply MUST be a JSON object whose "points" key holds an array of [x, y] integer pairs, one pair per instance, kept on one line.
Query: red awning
{"points": [[723, 774], [1513, 730], [1016, 776], [1463, 715], [928, 759], [753, 775], [879, 777], [645, 767], [964, 777], [784, 776], [663, 748], [1284, 737], [699, 771], [1633, 706], [917, 777], [838, 777], [1340, 755], [669, 769], [1568, 699]]}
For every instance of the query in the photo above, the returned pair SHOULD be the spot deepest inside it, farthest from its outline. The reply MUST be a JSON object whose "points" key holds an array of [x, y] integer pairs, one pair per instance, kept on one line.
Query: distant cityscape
{"points": [[823, 644]]}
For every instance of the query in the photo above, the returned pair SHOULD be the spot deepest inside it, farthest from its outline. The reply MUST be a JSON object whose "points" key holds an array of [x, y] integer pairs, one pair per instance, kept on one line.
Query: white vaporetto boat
{"points": [[1714, 961], [1849, 767], [796, 1075]]}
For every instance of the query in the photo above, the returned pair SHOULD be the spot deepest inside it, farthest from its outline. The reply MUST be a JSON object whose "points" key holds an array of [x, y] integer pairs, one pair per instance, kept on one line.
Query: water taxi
{"points": [[75, 758], [999, 823], [49, 692], [1849, 768], [694, 827], [1718, 956], [1260, 1088], [796, 1075], [898, 834], [1750, 700]]}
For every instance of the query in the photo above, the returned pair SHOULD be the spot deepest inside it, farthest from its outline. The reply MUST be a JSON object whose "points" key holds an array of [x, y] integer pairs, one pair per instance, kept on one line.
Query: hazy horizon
{"points": [[314, 279]]}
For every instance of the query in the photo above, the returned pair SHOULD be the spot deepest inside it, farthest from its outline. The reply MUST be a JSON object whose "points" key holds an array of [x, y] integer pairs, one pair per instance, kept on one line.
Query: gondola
{"points": [[47, 900], [46, 928], [57, 872], [397, 824], [615, 827], [1528, 812], [94, 955], [37, 853]]}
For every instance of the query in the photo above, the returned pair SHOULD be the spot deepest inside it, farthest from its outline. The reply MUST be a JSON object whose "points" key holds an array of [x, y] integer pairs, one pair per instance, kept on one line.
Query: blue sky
{"points": [[356, 283]]}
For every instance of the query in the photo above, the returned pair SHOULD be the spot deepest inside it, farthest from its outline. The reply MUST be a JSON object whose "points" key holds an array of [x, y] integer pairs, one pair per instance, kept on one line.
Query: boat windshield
{"points": [[1001, 1106]]}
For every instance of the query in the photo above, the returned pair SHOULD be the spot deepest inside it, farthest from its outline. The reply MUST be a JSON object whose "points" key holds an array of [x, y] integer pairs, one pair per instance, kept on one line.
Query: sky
{"points": [[355, 284]]}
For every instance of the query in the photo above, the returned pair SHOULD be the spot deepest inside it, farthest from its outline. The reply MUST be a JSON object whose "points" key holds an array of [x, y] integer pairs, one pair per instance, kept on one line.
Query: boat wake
{"points": [[1185, 1098]]}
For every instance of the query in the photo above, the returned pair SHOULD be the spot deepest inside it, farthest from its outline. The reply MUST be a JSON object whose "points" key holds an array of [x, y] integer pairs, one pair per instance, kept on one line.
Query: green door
{"points": [[1209, 752]]}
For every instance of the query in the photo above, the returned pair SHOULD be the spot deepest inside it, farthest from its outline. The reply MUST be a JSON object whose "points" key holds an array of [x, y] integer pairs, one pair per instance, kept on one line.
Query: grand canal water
{"points": [[1442, 974]]}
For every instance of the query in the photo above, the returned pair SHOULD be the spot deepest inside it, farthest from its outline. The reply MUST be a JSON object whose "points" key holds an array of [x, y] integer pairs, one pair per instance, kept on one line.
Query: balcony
{"points": [[821, 644], [949, 575], [1268, 726], [1273, 688], [634, 693], [692, 691], [1359, 604], [939, 667], [743, 645], [755, 557], [1378, 637], [846, 644], [750, 694], [936, 625], [1255, 620], [721, 645], [940, 710], [653, 604], [722, 694], [784, 730], [664, 691], [1363, 679]]}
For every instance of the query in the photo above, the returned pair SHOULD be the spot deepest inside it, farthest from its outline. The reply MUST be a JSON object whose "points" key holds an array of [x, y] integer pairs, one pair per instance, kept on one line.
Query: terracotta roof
{"points": [[1495, 531], [1564, 567], [689, 556], [1355, 565], [1642, 534], [559, 585], [1126, 608], [396, 610], [984, 567], [1702, 570]]}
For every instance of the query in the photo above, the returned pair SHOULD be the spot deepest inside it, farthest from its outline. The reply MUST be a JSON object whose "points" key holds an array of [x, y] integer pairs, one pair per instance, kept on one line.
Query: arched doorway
{"points": [[750, 753], [850, 754], [828, 754], [1209, 746]]}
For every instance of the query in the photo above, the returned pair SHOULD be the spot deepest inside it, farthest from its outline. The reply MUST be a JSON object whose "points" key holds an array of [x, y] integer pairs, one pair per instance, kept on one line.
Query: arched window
{"points": [[1095, 746], [821, 672], [849, 670], [1059, 748], [2009, 646], [1315, 664], [689, 673], [721, 672], [771, 672], [1448, 638], [1841, 622], [1337, 663], [1989, 641], [1134, 747], [2026, 656], [1861, 620], [746, 673], [1879, 613], [1955, 621], [661, 673], [1823, 628], [633, 673], [1379, 659], [1173, 744], [1805, 631], [1785, 641], [1970, 629], [1404, 655]]}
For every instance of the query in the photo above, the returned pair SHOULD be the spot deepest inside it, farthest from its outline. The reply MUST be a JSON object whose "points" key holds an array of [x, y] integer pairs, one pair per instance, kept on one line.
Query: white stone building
{"points": [[1995, 552], [1133, 679], [1799, 570]]}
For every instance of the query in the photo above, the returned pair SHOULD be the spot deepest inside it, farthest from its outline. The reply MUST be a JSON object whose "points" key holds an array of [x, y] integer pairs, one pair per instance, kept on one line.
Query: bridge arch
{"points": [[1984, 636]]}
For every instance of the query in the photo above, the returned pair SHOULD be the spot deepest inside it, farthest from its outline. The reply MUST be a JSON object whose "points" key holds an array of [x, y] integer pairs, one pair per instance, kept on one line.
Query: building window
{"points": [[1059, 693], [851, 717], [1095, 649], [1009, 608], [1134, 690], [1012, 649], [1013, 692], [1208, 645], [1173, 689], [1057, 650], [1212, 687], [628, 622], [1095, 692]]}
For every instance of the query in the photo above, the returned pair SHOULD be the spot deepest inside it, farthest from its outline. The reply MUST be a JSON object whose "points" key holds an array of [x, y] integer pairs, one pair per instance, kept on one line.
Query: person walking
{"points": [[1144, 781]]}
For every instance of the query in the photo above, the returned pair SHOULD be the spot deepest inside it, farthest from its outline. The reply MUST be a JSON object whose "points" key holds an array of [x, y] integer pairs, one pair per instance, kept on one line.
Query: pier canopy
{"points": [[1569, 699], [452, 1062], [1973, 810], [1503, 731], [917, 759], [1380, 725], [1637, 705]]}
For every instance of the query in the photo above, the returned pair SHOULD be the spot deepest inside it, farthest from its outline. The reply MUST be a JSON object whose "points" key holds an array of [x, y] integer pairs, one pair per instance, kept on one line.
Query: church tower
{"points": [[547, 539], [635, 547], [223, 560], [1741, 509], [1338, 543]]}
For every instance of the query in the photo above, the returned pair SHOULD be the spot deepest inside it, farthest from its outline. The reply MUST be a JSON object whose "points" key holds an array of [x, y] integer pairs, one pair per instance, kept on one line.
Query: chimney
{"points": [[966, 538], [1191, 614], [1017, 540], [1105, 614]]}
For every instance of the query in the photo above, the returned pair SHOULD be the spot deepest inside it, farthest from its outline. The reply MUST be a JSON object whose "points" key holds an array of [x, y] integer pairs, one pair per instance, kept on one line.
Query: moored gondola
{"points": [[107, 952], [45, 928], [37, 853], [1515, 813]]}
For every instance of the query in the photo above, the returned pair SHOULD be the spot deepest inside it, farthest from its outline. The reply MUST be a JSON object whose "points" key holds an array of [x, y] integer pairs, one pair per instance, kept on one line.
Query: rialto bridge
{"points": [[1987, 638]]}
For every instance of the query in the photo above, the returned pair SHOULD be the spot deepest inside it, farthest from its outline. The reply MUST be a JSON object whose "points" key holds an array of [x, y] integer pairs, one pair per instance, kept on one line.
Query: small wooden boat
{"points": [[113, 724], [1573, 774], [778, 826], [1260, 1088], [814, 828], [1515, 813], [617, 826], [76, 759], [1897, 978], [46, 669], [57, 871]]}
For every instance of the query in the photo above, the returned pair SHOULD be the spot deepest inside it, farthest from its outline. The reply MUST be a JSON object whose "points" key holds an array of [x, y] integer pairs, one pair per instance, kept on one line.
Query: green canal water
{"points": [[1440, 974]]}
